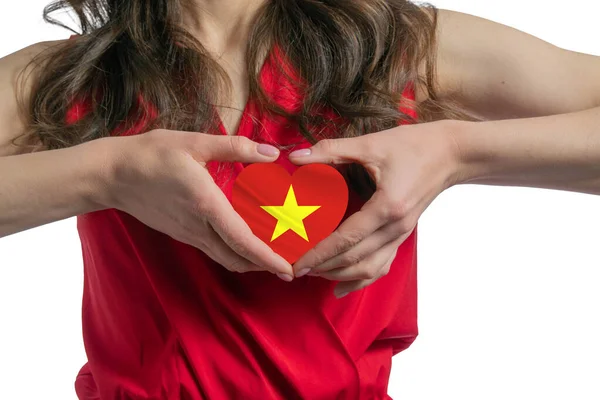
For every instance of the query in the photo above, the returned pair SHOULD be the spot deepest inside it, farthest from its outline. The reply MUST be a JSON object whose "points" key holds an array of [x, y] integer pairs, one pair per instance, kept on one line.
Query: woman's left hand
{"points": [[410, 165]]}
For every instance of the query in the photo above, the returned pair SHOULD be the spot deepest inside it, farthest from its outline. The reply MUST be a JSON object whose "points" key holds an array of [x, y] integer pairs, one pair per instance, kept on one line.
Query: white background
{"points": [[509, 277]]}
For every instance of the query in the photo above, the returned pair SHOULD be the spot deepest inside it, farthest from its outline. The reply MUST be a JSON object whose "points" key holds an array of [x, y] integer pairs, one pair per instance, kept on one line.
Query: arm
{"points": [[556, 152], [42, 187], [499, 72]]}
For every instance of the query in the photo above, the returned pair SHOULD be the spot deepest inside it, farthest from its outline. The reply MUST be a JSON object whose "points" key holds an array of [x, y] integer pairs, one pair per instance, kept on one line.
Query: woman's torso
{"points": [[163, 321]]}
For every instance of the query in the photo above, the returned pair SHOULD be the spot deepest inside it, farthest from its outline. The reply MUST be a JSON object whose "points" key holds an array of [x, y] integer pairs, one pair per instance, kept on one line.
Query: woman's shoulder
{"points": [[19, 60], [17, 74]]}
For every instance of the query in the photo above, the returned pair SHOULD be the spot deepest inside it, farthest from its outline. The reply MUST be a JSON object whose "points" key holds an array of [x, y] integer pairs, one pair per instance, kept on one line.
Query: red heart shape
{"points": [[261, 191]]}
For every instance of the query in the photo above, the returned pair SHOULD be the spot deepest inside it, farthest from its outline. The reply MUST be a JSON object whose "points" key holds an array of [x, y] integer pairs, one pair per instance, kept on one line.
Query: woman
{"points": [[114, 118]]}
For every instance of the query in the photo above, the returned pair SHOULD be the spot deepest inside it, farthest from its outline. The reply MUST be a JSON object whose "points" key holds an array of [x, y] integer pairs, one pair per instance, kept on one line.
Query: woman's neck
{"points": [[222, 26]]}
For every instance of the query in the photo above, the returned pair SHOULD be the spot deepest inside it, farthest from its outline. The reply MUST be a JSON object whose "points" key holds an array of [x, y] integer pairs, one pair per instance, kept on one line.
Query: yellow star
{"points": [[290, 216]]}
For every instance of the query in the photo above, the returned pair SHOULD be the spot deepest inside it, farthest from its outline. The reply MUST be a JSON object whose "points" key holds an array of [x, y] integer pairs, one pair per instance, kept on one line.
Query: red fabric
{"points": [[163, 321]]}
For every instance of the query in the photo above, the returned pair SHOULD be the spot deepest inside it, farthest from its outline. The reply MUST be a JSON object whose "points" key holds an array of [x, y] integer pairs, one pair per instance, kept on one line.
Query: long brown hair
{"points": [[353, 56]]}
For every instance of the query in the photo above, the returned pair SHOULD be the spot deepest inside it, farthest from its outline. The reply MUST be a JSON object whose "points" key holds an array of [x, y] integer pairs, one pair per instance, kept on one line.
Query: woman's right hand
{"points": [[161, 179]]}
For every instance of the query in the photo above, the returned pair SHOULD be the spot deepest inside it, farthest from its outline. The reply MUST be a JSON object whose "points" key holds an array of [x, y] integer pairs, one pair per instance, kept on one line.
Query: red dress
{"points": [[163, 321]]}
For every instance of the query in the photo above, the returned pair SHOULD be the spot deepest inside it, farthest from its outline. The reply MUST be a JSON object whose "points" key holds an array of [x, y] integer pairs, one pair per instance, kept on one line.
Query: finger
{"points": [[234, 148], [368, 268], [362, 250], [345, 288], [351, 232], [333, 151], [217, 250], [239, 237]]}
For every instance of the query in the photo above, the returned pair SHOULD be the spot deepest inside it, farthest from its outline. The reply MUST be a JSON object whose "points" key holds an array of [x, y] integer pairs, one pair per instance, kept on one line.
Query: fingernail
{"points": [[267, 150], [340, 295], [285, 277], [303, 272], [301, 153]]}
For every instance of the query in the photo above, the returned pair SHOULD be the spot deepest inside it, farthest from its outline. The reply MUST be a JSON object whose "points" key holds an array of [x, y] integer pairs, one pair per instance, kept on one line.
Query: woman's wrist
{"points": [[460, 168], [492, 152], [105, 158], [507, 152], [469, 152]]}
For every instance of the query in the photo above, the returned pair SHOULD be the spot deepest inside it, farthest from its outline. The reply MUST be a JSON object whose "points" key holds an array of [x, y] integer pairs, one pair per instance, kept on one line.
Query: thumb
{"points": [[239, 148], [331, 151]]}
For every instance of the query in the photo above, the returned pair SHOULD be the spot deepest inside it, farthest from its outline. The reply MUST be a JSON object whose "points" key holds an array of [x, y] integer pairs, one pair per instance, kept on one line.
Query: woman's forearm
{"points": [[555, 152], [48, 186]]}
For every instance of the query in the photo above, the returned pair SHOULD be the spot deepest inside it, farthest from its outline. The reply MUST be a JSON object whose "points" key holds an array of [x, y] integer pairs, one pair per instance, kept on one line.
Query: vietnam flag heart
{"points": [[290, 213]]}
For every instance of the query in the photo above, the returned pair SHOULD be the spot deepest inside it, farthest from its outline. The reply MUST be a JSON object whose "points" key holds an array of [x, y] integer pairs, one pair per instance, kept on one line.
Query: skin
{"points": [[519, 83], [223, 28]]}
